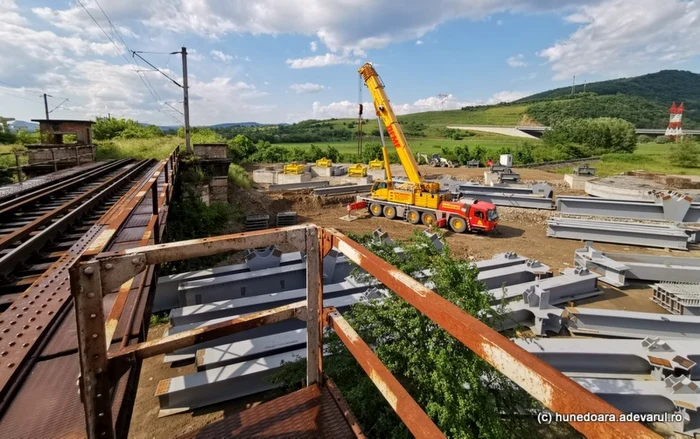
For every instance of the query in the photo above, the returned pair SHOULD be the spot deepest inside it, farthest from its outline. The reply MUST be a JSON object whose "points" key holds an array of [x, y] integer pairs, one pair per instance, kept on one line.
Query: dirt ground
{"points": [[520, 230]]}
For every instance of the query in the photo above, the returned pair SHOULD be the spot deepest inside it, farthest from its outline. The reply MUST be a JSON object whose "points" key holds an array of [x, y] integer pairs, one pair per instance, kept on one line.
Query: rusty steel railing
{"points": [[92, 279], [75, 157]]}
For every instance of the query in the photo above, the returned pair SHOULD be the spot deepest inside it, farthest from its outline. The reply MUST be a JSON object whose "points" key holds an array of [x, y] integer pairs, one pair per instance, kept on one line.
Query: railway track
{"points": [[38, 342], [38, 227]]}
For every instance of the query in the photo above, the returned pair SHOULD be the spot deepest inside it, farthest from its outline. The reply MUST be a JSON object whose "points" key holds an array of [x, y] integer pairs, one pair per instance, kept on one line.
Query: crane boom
{"points": [[386, 114]]}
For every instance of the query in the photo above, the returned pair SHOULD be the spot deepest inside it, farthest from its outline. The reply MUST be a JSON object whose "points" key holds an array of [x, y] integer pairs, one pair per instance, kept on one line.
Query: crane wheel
{"points": [[428, 218], [390, 212], [458, 224], [375, 209], [413, 217]]}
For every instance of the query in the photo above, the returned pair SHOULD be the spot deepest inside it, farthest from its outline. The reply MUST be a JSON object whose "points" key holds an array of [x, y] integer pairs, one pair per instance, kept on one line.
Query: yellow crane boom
{"points": [[393, 128]]}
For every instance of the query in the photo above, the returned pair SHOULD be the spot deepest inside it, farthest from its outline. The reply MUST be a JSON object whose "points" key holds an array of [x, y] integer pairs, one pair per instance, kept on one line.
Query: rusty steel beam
{"points": [[314, 304], [122, 265], [550, 387], [344, 407], [416, 420], [205, 333]]}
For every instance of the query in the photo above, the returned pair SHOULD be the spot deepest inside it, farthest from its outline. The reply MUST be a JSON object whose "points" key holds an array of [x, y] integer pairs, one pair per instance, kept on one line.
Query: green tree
{"points": [[462, 155], [371, 151], [595, 136], [644, 139], [685, 154], [463, 395], [241, 148]]}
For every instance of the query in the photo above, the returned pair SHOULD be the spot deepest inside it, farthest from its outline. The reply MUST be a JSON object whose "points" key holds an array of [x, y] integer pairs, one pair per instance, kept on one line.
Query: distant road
{"points": [[536, 132], [506, 131]]}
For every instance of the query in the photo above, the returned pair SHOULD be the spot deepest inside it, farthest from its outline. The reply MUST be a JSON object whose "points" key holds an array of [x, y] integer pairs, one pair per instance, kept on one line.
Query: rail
{"points": [[55, 161], [38, 314], [92, 278]]}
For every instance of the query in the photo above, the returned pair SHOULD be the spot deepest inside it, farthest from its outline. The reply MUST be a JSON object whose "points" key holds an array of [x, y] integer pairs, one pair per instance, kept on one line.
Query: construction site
{"points": [[588, 290]]}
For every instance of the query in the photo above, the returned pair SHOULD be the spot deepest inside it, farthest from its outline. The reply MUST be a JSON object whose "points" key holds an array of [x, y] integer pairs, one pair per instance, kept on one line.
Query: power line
{"points": [[54, 108], [157, 69], [134, 68], [20, 96]]}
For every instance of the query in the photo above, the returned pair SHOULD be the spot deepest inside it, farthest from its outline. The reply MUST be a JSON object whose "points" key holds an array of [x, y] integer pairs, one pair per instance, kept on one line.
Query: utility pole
{"points": [[573, 85], [46, 107], [186, 103]]}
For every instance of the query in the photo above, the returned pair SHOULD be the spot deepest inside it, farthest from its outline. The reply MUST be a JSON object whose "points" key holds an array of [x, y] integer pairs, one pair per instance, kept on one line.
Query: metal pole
{"points": [[53, 160], [154, 201], [19, 168], [77, 156], [186, 102], [46, 107]]}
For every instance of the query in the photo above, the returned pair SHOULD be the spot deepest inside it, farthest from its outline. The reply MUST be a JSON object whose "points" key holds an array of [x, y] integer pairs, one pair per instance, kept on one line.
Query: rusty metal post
{"points": [[86, 288], [416, 420], [19, 168], [53, 159], [314, 306], [77, 156], [156, 227], [167, 179], [94, 154]]}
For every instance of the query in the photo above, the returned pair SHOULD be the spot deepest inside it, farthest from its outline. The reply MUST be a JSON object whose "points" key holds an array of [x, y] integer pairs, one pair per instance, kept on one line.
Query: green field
{"points": [[490, 142], [508, 115], [650, 157]]}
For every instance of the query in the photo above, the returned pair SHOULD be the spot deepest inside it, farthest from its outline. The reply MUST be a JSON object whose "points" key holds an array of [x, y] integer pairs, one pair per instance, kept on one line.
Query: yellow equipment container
{"points": [[376, 164], [357, 170], [324, 163], [293, 169]]}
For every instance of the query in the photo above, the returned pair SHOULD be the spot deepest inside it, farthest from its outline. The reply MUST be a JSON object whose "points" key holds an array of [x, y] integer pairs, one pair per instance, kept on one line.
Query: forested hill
{"points": [[644, 94], [664, 86]]}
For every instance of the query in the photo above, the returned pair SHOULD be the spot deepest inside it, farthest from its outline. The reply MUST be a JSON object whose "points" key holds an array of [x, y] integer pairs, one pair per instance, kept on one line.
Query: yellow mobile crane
{"points": [[416, 200]]}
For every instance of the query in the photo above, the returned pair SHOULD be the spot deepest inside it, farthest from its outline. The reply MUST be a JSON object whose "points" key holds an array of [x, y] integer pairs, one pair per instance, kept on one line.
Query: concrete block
{"points": [[321, 172], [292, 178], [377, 174], [356, 180], [265, 176], [577, 182]]}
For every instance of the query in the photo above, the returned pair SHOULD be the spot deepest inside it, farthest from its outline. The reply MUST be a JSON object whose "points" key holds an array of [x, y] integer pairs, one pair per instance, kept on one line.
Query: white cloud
{"points": [[307, 88], [419, 42], [314, 46], [507, 96], [328, 59], [517, 61], [622, 37], [433, 103], [338, 24], [221, 56], [77, 21], [499, 22], [193, 55]]}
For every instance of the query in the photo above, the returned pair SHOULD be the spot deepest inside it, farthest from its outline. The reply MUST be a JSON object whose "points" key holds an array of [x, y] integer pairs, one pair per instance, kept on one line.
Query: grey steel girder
{"points": [[167, 296], [510, 200], [654, 356], [249, 304], [265, 281], [500, 260], [244, 350], [667, 207], [541, 189], [514, 274], [630, 324], [673, 395], [570, 285], [678, 298], [534, 311], [617, 268], [342, 303], [183, 393], [646, 235]]}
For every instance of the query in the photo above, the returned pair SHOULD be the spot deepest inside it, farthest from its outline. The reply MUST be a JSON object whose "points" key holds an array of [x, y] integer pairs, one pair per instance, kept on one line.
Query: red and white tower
{"points": [[674, 125]]}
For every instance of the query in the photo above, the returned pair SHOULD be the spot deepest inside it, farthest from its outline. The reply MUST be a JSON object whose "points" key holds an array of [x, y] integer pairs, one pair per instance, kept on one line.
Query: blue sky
{"points": [[288, 60]]}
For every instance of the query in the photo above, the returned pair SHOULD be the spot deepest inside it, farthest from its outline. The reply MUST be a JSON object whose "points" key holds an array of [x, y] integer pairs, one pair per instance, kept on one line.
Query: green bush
{"points": [[685, 154], [624, 158], [592, 136], [662, 140], [105, 129], [644, 139], [462, 155], [239, 177]]}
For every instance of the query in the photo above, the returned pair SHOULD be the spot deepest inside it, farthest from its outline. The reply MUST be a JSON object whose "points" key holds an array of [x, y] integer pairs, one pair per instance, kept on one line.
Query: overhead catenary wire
{"points": [[142, 77]]}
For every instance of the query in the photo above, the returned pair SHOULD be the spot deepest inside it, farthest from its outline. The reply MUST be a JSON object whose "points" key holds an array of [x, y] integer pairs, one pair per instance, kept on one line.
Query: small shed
{"points": [[53, 130]]}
